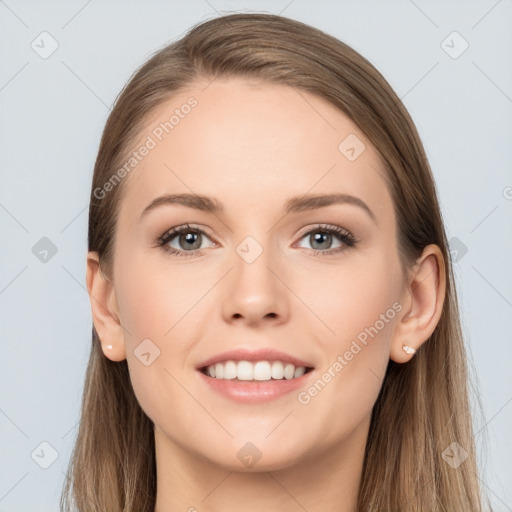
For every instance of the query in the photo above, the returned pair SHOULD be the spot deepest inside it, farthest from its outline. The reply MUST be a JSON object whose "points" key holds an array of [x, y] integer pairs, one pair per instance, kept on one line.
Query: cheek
{"points": [[360, 309], [350, 299], [154, 302], [153, 298], [153, 308]]}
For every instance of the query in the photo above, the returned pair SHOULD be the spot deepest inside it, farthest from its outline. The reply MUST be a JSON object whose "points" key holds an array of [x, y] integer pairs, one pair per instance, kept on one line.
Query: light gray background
{"points": [[52, 114]]}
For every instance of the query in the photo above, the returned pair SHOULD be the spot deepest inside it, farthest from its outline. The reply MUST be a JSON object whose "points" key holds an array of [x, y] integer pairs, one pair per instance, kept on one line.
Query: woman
{"points": [[275, 318]]}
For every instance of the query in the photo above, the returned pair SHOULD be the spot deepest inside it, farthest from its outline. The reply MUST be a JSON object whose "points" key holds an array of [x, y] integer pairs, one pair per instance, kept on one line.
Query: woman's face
{"points": [[258, 273]]}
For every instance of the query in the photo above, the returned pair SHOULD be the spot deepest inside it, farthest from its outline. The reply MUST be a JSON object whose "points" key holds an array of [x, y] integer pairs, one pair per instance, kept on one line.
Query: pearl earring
{"points": [[408, 350], [109, 347]]}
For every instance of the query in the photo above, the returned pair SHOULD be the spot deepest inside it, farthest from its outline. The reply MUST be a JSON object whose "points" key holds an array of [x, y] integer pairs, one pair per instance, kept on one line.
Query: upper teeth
{"points": [[259, 370]]}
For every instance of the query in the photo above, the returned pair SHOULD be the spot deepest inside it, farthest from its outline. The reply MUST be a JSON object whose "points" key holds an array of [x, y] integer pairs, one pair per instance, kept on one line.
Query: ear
{"points": [[104, 310], [423, 304]]}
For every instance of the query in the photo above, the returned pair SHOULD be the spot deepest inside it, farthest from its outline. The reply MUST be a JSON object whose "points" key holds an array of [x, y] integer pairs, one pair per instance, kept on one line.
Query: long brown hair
{"points": [[423, 406]]}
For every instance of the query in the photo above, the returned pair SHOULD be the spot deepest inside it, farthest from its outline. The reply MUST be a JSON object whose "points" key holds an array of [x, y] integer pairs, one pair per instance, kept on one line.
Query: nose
{"points": [[255, 292]]}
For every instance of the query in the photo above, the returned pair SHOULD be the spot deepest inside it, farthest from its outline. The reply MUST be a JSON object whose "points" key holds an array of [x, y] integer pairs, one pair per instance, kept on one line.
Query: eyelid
{"points": [[176, 230], [320, 226], [339, 232], [304, 231]]}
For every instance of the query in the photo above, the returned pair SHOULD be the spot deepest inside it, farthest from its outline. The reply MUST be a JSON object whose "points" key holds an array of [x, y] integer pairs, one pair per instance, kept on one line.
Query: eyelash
{"points": [[343, 236]]}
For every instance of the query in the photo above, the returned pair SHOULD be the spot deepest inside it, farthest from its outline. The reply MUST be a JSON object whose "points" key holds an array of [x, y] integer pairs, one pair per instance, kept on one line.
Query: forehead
{"points": [[252, 143]]}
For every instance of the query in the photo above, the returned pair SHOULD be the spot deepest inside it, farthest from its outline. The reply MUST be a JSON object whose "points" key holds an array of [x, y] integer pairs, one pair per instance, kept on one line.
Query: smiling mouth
{"points": [[262, 371]]}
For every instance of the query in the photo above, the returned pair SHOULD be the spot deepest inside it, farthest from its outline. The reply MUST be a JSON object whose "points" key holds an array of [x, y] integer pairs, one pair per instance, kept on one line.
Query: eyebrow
{"points": [[292, 205]]}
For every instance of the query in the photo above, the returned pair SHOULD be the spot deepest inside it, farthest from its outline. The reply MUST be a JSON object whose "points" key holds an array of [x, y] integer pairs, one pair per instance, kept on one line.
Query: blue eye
{"points": [[187, 236], [324, 235], [190, 239]]}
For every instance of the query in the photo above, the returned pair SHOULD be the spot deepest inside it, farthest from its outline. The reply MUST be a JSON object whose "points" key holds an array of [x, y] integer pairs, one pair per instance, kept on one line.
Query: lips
{"points": [[267, 354]]}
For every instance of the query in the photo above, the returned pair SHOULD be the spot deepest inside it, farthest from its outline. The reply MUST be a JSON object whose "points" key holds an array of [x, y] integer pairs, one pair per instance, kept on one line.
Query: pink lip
{"points": [[253, 392], [267, 354]]}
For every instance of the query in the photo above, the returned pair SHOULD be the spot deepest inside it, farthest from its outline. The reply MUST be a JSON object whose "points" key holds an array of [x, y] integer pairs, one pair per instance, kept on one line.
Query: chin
{"points": [[255, 457]]}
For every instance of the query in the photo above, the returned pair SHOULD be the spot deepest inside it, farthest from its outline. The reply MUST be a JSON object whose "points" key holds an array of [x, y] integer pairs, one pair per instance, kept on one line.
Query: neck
{"points": [[324, 481]]}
